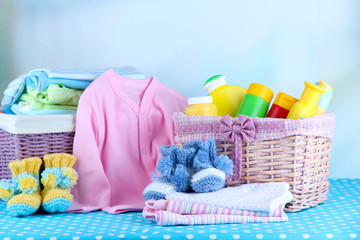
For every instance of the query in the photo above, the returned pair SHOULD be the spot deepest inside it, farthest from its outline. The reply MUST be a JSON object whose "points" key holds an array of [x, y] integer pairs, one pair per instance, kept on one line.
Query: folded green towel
{"points": [[58, 94], [36, 105]]}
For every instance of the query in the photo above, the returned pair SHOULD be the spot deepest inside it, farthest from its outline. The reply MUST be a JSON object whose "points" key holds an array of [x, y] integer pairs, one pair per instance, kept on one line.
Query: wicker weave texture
{"points": [[301, 161], [20, 146]]}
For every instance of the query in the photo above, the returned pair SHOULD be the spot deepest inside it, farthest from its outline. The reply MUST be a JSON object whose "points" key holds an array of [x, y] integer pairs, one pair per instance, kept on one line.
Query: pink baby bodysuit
{"points": [[120, 125]]}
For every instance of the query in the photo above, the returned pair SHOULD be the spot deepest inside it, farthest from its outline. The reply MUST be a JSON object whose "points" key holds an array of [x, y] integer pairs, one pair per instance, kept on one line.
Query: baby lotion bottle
{"points": [[256, 101], [226, 98], [281, 106], [306, 106], [201, 106], [325, 98]]}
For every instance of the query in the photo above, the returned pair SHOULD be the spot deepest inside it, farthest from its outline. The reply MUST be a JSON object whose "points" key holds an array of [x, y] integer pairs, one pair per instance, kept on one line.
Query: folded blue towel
{"points": [[40, 79]]}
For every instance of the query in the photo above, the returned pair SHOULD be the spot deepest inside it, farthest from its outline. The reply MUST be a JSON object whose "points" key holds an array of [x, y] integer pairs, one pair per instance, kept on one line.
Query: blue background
{"points": [[277, 43]]}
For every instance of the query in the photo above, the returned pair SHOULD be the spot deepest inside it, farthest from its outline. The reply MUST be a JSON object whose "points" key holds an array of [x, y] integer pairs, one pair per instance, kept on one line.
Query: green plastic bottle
{"points": [[226, 98], [256, 101]]}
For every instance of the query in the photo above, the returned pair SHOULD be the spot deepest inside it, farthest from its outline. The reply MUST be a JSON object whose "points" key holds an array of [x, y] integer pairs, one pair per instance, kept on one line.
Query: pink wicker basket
{"points": [[282, 150], [33, 136]]}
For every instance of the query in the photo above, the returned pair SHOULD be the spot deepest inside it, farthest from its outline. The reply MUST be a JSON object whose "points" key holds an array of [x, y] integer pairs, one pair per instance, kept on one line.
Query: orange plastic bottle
{"points": [[281, 106]]}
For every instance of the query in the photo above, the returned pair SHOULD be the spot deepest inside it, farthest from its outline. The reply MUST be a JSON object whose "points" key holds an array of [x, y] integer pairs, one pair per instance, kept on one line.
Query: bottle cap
{"points": [[285, 101], [324, 85], [199, 100], [260, 91], [311, 94], [315, 87], [214, 82]]}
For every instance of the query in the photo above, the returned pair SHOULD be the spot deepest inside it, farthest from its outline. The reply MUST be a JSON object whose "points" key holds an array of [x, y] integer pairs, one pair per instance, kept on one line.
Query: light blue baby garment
{"points": [[15, 109], [8, 111], [91, 74], [40, 79], [13, 91]]}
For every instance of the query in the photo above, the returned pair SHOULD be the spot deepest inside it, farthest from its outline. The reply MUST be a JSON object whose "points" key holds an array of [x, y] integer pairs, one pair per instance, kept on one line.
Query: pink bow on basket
{"points": [[243, 129]]}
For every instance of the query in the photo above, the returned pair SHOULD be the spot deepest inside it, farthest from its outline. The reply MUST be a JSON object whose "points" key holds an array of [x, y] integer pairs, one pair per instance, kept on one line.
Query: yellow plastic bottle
{"points": [[306, 106], [226, 98], [201, 106]]}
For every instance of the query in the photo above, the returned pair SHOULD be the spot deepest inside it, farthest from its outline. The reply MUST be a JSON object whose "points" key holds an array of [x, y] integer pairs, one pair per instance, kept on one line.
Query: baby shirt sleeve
{"points": [[92, 191]]}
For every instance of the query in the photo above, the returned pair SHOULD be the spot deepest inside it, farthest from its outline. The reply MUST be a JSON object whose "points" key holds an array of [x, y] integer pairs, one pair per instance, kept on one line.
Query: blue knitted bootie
{"points": [[208, 180], [194, 167], [158, 190]]}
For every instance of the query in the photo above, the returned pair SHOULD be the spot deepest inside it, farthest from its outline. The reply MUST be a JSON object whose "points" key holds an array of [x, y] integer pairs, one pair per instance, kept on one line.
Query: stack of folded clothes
{"points": [[256, 202], [43, 91]]}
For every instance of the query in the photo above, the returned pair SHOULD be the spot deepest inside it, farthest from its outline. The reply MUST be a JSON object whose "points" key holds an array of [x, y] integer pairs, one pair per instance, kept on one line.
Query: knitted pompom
{"points": [[212, 150], [166, 166], [64, 177], [27, 182], [51, 177], [193, 145], [180, 178], [7, 190], [68, 178], [185, 156], [169, 151], [201, 160], [224, 164], [200, 156]]}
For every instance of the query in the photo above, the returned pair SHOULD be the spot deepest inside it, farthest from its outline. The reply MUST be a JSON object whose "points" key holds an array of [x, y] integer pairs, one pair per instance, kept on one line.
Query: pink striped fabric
{"points": [[188, 208], [257, 202], [164, 218], [190, 127]]}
